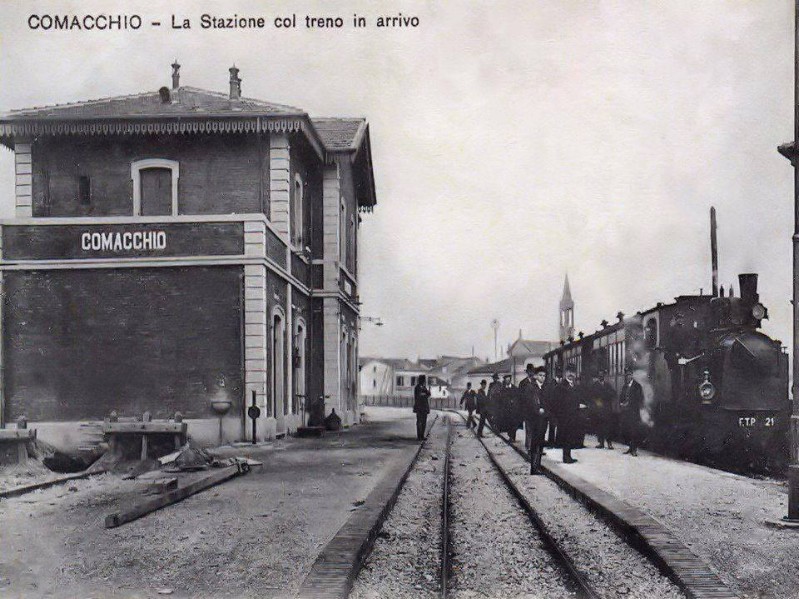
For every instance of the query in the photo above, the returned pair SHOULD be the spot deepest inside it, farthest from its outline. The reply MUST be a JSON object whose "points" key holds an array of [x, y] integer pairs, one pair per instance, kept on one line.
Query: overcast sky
{"points": [[512, 142]]}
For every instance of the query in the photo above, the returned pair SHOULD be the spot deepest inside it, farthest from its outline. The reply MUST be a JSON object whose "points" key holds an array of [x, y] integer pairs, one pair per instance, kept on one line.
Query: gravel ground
{"points": [[406, 557], [497, 551], [254, 536], [32, 472], [611, 566], [719, 515]]}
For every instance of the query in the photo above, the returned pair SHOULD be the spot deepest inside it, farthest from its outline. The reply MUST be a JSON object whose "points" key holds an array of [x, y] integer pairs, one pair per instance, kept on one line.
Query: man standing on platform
{"points": [[421, 406], [469, 401], [532, 388], [631, 400], [567, 399], [551, 407], [482, 407], [600, 397]]}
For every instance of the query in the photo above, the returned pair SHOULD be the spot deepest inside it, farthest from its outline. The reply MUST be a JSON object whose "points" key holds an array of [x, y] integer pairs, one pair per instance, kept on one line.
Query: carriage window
{"points": [[413, 381], [651, 333], [400, 381]]}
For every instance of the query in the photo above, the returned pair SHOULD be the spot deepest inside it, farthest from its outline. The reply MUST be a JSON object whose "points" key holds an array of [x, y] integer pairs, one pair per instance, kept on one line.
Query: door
{"points": [[156, 191]]}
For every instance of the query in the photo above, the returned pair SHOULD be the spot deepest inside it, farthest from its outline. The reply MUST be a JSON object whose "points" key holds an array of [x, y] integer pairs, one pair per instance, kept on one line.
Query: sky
{"points": [[512, 141]]}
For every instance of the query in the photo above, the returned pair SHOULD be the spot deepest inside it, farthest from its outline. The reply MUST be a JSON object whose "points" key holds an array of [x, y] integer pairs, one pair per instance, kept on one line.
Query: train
{"points": [[715, 386]]}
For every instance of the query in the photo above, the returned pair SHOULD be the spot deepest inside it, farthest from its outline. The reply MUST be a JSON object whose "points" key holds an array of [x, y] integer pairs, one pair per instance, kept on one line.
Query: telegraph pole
{"points": [[793, 468], [495, 326], [790, 152]]}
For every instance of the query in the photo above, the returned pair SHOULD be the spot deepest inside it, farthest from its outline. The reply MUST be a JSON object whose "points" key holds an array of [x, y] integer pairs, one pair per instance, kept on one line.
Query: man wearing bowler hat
{"points": [[535, 423]]}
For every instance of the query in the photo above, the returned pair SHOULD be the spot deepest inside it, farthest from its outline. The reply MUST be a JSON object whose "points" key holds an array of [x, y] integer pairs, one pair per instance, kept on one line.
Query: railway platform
{"points": [[720, 516]]}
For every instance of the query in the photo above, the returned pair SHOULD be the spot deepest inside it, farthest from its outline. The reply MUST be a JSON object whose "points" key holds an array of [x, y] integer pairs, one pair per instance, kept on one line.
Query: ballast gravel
{"points": [[407, 553], [611, 566], [496, 550]]}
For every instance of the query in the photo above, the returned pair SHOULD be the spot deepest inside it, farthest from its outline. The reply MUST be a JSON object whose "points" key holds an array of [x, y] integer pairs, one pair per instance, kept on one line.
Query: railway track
{"points": [[490, 542]]}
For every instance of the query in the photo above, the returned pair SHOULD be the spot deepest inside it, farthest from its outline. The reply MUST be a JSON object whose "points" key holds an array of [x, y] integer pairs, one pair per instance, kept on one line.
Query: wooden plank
{"points": [[121, 428], [146, 507], [23, 489]]}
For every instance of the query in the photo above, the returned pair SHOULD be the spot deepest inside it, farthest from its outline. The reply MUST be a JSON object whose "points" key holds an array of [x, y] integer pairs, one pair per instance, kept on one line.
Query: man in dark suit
{"points": [[551, 406], [600, 401], [631, 401], [421, 406], [469, 401], [482, 407], [566, 397], [535, 423]]}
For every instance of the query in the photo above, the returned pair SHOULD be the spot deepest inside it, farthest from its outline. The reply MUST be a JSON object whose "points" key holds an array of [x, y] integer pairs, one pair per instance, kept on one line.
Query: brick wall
{"points": [[218, 173]]}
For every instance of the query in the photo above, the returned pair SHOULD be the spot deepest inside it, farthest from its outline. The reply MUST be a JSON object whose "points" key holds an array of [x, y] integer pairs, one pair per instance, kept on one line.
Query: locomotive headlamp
{"points": [[707, 390], [759, 311]]}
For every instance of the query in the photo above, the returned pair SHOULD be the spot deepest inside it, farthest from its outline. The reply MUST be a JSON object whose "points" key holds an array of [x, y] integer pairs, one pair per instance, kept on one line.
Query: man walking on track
{"points": [[532, 388], [421, 406], [469, 398]]}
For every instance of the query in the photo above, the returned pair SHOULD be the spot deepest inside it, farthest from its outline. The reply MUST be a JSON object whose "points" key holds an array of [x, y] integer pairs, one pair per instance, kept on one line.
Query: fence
{"points": [[400, 401]]}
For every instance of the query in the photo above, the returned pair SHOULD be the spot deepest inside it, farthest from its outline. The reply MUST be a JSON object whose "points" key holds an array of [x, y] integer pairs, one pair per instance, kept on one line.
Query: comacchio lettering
{"points": [[123, 242]]}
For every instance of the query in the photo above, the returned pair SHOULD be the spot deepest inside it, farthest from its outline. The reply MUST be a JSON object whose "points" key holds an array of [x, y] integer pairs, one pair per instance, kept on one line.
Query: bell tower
{"points": [[566, 312]]}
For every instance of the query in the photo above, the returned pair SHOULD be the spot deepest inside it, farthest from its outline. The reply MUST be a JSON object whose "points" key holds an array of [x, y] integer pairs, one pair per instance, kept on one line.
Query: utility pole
{"points": [[495, 326], [714, 252], [790, 152]]}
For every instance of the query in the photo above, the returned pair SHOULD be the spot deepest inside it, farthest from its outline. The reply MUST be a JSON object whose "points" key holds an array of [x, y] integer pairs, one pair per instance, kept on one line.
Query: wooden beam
{"points": [[144, 427], [151, 505]]}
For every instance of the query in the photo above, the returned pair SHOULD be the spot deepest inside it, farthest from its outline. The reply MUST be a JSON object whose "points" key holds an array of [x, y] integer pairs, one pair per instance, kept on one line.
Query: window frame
{"points": [[135, 174]]}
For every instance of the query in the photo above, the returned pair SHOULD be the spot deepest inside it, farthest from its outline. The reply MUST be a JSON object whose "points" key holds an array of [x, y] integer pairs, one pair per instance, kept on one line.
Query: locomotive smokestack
{"points": [[714, 252], [747, 285]]}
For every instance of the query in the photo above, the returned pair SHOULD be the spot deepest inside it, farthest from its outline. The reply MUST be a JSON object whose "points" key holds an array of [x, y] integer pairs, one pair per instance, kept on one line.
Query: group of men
{"points": [[560, 407]]}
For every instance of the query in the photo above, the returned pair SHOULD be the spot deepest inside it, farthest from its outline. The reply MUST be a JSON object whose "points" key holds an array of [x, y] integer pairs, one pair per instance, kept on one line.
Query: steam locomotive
{"points": [[715, 387]]}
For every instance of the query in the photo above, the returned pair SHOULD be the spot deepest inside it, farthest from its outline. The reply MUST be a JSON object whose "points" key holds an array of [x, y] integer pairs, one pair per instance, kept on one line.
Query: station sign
{"points": [[129, 240]]}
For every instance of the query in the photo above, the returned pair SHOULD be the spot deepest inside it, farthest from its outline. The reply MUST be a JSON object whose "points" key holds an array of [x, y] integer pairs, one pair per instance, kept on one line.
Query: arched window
{"points": [[297, 221], [300, 336], [277, 403], [155, 187]]}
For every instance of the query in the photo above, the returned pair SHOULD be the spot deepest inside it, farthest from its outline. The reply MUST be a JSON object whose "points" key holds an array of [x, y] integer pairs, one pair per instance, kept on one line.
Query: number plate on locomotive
{"points": [[752, 421]]}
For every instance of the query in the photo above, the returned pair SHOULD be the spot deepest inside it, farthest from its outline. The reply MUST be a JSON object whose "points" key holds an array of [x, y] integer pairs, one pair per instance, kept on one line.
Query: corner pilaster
{"points": [[23, 169]]}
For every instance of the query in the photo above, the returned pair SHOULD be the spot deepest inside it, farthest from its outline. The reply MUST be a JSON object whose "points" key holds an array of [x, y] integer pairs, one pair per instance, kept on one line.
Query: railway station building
{"points": [[185, 251]]}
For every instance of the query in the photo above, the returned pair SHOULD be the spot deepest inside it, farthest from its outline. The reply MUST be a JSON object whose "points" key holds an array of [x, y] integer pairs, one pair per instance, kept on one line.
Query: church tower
{"points": [[566, 312]]}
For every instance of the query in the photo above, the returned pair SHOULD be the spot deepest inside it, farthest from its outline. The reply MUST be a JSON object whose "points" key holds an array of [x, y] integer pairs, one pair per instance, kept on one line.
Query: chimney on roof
{"points": [[175, 75], [235, 83]]}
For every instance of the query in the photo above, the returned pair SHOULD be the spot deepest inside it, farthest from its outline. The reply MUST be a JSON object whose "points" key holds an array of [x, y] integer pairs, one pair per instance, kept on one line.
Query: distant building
{"points": [[486, 371], [393, 377], [396, 377], [527, 351]]}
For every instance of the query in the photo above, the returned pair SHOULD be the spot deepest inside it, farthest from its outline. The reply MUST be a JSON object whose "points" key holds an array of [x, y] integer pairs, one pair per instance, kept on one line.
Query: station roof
{"points": [[184, 102], [185, 109]]}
